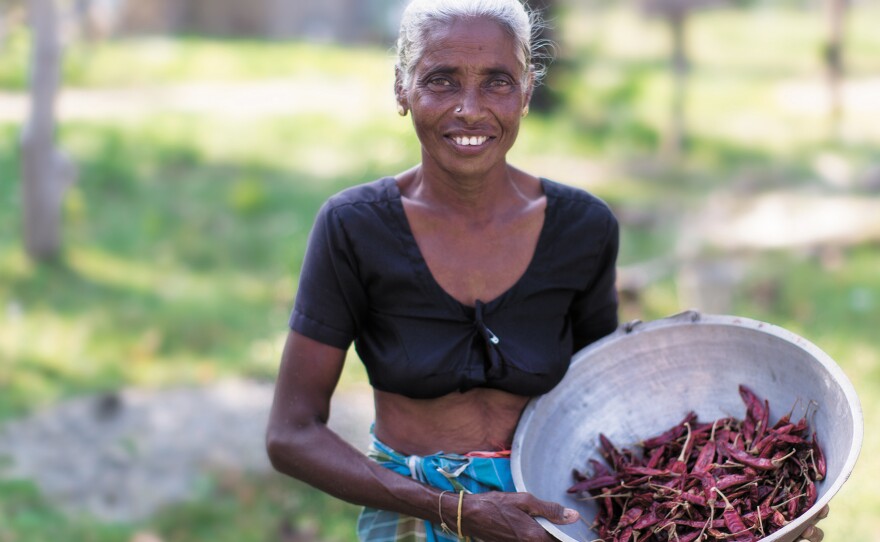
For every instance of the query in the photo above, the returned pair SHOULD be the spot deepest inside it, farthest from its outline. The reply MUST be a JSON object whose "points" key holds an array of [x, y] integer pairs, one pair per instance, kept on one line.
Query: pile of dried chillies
{"points": [[736, 480]]}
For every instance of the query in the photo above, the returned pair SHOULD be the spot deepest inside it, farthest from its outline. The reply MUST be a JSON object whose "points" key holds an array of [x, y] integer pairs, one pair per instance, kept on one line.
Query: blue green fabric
{"points": [[452, 472]]}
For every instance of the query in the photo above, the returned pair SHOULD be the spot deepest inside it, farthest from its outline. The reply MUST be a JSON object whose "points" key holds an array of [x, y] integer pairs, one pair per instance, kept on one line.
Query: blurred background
{"points": [[161, 163]]}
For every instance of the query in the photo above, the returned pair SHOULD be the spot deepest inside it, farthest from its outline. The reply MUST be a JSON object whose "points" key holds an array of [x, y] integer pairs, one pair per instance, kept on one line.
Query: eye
{"points": [[439, 81], [500, 83]]}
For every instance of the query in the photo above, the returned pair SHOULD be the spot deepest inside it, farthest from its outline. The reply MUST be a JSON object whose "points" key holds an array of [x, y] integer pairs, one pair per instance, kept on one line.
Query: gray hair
{"points": [[420, 16]]}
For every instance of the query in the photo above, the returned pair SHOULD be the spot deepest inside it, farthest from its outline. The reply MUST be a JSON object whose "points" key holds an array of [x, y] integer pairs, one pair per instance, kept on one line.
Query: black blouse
{"points": [[364, 280]]}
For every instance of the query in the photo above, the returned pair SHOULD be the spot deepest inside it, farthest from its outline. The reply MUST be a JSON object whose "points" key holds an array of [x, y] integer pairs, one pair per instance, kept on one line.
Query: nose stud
{"points": [[458, 109]]}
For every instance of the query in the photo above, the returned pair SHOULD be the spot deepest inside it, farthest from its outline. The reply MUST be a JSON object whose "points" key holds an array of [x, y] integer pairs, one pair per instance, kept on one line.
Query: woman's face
{"points": [[467, 96]]}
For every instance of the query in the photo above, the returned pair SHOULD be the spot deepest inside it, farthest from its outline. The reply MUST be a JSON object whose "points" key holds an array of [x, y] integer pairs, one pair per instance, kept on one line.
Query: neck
{"points": [[474, 195]]}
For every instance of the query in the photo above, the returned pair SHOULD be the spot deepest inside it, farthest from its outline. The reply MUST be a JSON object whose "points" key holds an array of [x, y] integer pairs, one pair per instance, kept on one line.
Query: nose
{"points": [[471, 105]]}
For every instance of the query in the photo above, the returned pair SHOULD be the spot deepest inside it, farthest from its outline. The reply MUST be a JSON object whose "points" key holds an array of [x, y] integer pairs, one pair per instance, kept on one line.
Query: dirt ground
{"points": [[122, 456]]}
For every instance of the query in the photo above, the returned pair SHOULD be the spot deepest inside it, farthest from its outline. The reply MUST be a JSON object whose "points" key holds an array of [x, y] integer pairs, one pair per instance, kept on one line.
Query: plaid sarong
{"points": [[452, 472]]}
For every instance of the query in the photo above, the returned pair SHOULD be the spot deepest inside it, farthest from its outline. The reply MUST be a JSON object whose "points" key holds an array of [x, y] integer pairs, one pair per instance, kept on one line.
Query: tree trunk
{"points": [[46, 171], [673, 143], [836, 13], [544, 98]]}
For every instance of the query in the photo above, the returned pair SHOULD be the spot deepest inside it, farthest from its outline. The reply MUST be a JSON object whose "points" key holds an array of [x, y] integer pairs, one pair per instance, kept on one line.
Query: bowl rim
{"points": [[691, 318]]}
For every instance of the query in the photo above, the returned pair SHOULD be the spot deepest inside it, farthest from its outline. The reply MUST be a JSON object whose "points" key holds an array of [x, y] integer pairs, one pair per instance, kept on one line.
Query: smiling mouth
{"points": [[471, 141]]}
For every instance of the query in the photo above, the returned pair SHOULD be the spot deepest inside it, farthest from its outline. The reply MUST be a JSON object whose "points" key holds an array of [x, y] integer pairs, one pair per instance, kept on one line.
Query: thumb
{"points": [[555, 512]]}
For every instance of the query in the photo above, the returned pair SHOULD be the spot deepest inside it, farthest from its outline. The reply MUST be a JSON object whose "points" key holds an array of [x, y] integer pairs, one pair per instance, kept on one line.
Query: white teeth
{"points": [[469, 141]]}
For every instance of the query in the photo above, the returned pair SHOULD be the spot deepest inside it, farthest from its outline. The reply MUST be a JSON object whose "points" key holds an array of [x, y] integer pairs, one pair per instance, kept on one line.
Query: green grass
{"points": [[161, 220], [165, 60], [230, 507], [184, 234], [25, 515]]}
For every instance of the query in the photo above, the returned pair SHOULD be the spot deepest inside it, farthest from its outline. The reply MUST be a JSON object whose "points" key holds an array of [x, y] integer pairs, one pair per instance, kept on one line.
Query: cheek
{"points": [[425, 127], [429, 104], [507, 106], [425, 118], [511, 115], [427, 113]]}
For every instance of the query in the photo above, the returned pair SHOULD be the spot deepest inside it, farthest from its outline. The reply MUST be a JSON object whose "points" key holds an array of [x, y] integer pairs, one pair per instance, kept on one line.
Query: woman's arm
{"points": [[300, 444]]}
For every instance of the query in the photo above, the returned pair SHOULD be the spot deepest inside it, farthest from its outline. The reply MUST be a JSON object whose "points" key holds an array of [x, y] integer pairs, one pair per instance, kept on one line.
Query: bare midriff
{"points": [[480, 419]]}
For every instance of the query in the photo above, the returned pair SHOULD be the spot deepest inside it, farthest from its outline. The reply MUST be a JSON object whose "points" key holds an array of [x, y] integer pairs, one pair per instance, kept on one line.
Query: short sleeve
{"points": [[330, 298], [594, 309]]}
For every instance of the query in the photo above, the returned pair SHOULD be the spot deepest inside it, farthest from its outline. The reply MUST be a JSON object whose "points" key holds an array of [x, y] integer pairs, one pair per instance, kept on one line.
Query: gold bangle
{"points": [[460, 501], [443, 525]]}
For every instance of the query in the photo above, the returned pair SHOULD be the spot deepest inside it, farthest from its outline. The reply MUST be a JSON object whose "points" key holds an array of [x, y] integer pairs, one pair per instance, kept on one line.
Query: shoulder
{"points": [[368, 200], [575, 204], [378, 191], [366, 215]]}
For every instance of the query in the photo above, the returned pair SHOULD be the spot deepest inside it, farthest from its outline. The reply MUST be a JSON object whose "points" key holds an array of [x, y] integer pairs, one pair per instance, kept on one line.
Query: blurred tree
{"points": [[675, 13], [11, 14], [346, 21], [836, 13], [544, 97], [46, 171], [87, 24]]}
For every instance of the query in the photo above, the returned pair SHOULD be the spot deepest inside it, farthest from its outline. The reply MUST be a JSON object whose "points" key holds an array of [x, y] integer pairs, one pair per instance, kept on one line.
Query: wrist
{"points": [[450, 511], [446, 512], [460, 511]]}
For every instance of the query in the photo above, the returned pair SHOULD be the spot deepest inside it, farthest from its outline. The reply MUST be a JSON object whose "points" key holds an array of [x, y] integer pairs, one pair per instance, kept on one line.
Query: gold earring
{"points": [[401, 110], [525, 111]]}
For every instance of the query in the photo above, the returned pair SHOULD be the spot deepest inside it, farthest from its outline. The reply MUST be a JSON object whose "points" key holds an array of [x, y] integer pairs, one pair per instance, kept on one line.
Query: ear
{"points": [[400, 93]]}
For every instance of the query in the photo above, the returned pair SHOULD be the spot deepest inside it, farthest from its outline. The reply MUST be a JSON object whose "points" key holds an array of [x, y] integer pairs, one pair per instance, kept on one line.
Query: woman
{"points": [[466, 285]]}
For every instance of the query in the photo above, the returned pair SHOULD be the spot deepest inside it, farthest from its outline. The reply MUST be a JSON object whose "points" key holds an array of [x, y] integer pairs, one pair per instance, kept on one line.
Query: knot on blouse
{"points": [[494, 358]]}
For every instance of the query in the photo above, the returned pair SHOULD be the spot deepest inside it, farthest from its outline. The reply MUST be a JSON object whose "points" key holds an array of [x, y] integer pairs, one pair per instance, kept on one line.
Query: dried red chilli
{"points": [[732, 480]]}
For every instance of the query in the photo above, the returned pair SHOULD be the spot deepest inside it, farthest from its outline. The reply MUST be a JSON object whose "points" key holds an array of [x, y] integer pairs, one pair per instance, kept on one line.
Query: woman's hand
{"points": [[497, 516], [813, 533]]}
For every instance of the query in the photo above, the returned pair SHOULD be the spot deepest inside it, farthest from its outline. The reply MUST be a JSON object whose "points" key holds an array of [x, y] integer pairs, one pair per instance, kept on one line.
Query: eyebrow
{"points": [[445, 69], [448, 69]]}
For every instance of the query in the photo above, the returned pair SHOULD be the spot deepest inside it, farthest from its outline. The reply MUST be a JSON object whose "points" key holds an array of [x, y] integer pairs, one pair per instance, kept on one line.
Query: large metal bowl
{"points": [[643, 379]]}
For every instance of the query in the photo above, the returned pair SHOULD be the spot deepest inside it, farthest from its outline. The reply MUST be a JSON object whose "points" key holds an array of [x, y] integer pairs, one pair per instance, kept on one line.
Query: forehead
{"points": [[471, 42]]}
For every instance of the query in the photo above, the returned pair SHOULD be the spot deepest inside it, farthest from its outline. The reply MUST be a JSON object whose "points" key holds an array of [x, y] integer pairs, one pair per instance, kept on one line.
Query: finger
{"points": [[812, 534], [570, 516], [552, 511], [823, 513]]}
